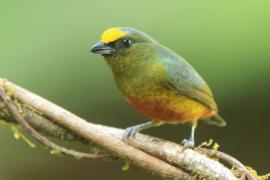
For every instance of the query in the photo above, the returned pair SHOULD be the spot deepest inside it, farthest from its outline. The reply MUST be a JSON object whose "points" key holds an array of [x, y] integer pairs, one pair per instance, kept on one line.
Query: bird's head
{"points": [[123, 43]]}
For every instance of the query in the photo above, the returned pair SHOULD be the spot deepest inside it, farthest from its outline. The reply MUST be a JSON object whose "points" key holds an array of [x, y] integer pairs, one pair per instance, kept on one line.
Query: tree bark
{"points": [[160, 157]]}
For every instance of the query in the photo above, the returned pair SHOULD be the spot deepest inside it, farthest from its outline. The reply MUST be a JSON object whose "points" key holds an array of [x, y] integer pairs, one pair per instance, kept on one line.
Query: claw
{"points": [[129, 133], [186, 143]]}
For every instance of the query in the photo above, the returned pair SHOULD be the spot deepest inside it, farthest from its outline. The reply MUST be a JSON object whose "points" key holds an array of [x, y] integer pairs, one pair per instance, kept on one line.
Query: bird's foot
{"points": [[129, 133], [187, 143]]}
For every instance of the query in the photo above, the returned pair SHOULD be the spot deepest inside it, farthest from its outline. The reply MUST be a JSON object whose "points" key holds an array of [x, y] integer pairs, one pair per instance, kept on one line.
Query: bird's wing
{"points": [[182, 78]]}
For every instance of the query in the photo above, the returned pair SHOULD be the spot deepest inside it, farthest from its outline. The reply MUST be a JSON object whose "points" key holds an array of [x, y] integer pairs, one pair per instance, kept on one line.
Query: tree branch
{"points": [[43, 140], [158, 156]]}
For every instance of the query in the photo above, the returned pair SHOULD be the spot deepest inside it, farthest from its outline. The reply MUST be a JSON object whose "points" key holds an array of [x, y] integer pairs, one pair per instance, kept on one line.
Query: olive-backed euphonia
{"points": [[159, 83]]}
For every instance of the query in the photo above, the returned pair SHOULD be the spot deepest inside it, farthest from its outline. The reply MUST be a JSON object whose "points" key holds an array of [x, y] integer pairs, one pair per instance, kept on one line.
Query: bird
{"points": [[157, 82]]}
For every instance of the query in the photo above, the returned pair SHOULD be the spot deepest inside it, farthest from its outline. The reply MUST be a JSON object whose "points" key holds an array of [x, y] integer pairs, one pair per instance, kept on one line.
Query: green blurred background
{"points": [[45, 48]]}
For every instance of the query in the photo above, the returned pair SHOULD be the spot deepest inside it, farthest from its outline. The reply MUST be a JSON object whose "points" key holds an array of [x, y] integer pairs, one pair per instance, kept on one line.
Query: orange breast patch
{"points": [[177, 109]]}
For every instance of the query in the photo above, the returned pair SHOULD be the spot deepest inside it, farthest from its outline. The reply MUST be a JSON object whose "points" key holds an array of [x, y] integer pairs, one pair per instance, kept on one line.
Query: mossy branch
{"points": [[160, 157]]}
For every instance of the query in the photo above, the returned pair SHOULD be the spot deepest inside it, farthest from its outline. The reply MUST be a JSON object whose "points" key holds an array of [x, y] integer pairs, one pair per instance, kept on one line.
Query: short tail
{"points": [[216, 120]]}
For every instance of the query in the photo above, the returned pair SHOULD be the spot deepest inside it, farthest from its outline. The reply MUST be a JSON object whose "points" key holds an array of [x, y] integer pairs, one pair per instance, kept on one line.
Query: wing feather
{"points": [[182, 78]]}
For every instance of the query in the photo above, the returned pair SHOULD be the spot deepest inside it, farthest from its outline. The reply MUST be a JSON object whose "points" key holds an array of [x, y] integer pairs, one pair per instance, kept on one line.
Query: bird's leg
{"points": [[190, 142], [131, 131]]}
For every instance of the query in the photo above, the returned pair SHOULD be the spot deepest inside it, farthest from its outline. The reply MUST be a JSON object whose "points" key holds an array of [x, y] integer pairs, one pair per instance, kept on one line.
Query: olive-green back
{"points": [[183, 78]]}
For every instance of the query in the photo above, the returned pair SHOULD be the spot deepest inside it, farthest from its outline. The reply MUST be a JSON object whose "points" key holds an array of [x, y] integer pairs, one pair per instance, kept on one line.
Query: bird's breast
{"points": [[141, 79], [170, 108]]}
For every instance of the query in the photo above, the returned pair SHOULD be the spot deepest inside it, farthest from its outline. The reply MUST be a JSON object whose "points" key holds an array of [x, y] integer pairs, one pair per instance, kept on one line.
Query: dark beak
{"points": [[102, 48]]}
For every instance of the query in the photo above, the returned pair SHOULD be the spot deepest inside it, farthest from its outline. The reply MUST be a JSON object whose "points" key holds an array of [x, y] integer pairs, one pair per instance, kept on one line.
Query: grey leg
{"points": [[190, 142], [131, 131]]}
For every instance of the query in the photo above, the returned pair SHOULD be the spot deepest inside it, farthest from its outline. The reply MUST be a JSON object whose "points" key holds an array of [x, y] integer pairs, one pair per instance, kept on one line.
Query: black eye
{"points": [[126, 43]]}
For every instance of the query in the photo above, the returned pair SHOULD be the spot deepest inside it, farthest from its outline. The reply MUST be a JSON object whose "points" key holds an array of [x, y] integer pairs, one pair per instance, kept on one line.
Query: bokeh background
{"points": [[44, 47]]}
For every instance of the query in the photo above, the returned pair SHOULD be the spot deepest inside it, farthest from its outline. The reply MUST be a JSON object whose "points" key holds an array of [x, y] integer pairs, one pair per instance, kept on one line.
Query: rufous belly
{"points": [[177, 109]]}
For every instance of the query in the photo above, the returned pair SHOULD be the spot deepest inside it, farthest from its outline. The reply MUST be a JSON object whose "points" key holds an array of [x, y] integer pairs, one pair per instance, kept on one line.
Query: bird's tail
{"points": [[216, 120]]}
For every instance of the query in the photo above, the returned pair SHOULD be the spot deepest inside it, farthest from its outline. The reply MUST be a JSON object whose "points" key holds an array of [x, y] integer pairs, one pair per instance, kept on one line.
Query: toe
{"points": [[127, 133], [187, 143]]}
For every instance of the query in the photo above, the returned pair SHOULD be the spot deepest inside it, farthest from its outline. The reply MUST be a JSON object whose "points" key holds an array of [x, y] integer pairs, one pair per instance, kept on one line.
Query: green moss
{"points": [[206, 143], [34, 110], [241, 173], [237, 172], [78, 157], [17, 133], [126, 166], [9, 91], [258, 177], [56, 152]]}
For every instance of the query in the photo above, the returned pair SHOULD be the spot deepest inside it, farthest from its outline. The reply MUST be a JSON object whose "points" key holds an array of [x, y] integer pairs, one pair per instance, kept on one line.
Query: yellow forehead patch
{"points": [[111, 35]]}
